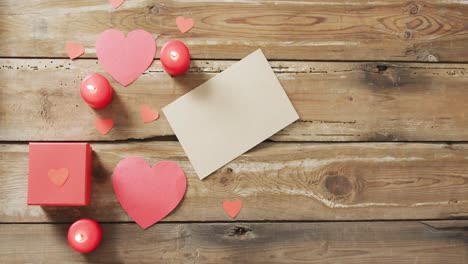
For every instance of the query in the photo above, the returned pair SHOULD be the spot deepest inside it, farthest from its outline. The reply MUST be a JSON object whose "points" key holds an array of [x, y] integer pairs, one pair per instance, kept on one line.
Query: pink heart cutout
{"points": [[148, 114], [74, 50], [232, 208], [58, 176], [104, 125], [184, 24], [148, 194], [125, 58], [116, 3]]}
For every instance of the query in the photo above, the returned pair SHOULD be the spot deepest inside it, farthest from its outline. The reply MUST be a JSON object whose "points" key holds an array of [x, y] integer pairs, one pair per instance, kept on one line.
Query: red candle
{"points": [[175, 57], [96, 90], [84, 235]]}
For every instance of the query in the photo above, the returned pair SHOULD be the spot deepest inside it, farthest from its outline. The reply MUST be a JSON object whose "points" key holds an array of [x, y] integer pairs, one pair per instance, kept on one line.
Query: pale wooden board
{"points": [[345, 242], [40, 100], [320, 30], [275, 181]]}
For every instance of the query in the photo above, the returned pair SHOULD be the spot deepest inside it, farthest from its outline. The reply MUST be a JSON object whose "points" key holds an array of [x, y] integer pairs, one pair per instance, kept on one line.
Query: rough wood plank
{"points": [[447, 224], [275, 181], [336, 101], [317, 30], [351, 242]]}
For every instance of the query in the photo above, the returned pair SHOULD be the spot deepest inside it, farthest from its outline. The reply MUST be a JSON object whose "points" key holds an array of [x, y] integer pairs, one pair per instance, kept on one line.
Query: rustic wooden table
{"points": [[375, 170]]}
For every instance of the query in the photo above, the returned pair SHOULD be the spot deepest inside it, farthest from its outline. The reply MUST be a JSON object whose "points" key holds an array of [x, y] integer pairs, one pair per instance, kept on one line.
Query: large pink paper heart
{"points": [[148, 194], [125, 58]]}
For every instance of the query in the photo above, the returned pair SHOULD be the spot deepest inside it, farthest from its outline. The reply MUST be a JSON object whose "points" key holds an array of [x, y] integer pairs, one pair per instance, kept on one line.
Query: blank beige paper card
{"points": [[230, 114]]}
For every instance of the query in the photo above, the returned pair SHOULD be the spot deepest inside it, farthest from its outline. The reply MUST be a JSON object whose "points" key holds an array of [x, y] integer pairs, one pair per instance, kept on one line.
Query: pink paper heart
{"points": [[104, 125], [184, 24], [58, 176], [148, 194], [148, 114], [125, 58], [232, 208], [116, 3], [74, 50]]}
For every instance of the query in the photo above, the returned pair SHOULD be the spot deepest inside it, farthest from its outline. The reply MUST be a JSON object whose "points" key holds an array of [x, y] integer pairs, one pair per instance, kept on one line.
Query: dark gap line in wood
{"points": [[271, 60], [169, 139], [251, 221]]}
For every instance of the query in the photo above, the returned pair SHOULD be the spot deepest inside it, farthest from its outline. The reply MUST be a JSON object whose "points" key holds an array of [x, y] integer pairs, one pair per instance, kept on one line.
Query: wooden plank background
{"points": [[313, 30], [363, 101], [375, 170], [338, 242], [329, 181]]}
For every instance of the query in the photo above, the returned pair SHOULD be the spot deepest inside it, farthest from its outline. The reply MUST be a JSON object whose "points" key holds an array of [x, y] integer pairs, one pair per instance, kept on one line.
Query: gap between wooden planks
{"points": [[302, 30], [362, 101], [338, 242], [275, 181]]}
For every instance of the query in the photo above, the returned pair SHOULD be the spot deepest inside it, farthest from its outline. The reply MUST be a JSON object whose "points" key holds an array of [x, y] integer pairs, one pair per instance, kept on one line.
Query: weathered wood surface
{"points": [[329, 182], [448, 224], [40, 100], [313, 30], [339, 242], [293, 182]]}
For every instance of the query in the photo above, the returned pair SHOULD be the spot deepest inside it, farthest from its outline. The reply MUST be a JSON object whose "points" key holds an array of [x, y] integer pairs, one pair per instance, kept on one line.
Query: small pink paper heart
{"points": [[232, 208], [116, 3], [74, 50], [104, 125], [148, 114], [184, 24], [58, 176]]}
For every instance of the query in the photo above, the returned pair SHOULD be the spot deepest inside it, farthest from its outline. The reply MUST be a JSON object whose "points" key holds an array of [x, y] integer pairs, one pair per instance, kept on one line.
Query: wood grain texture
{"points": [[40, 100], [351, 242], [312, 30], [275, 181], [448, 224]]}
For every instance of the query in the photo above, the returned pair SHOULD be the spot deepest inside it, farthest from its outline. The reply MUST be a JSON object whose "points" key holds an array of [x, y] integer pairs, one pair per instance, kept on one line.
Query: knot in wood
{"points": [[381, 68], [223, 180], [432, 58], [153, 9], [413, 8], [338, 185], [239, 232], [407, 34]]}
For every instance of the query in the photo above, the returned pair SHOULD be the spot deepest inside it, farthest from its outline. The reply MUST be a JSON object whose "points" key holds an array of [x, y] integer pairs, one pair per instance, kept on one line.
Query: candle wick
{"points": [[174, 55], [91, 87], [80, 237]]}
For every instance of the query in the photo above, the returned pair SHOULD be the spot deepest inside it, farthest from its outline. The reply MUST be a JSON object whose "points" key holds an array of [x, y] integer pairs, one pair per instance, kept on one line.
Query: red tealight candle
{"points": [[96, 90], [84, 235], [175, 57]]}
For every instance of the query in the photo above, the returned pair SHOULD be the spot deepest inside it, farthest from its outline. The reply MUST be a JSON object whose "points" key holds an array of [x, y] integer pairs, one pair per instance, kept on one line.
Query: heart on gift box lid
{"points": [[58, 176], [148, 194]]}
